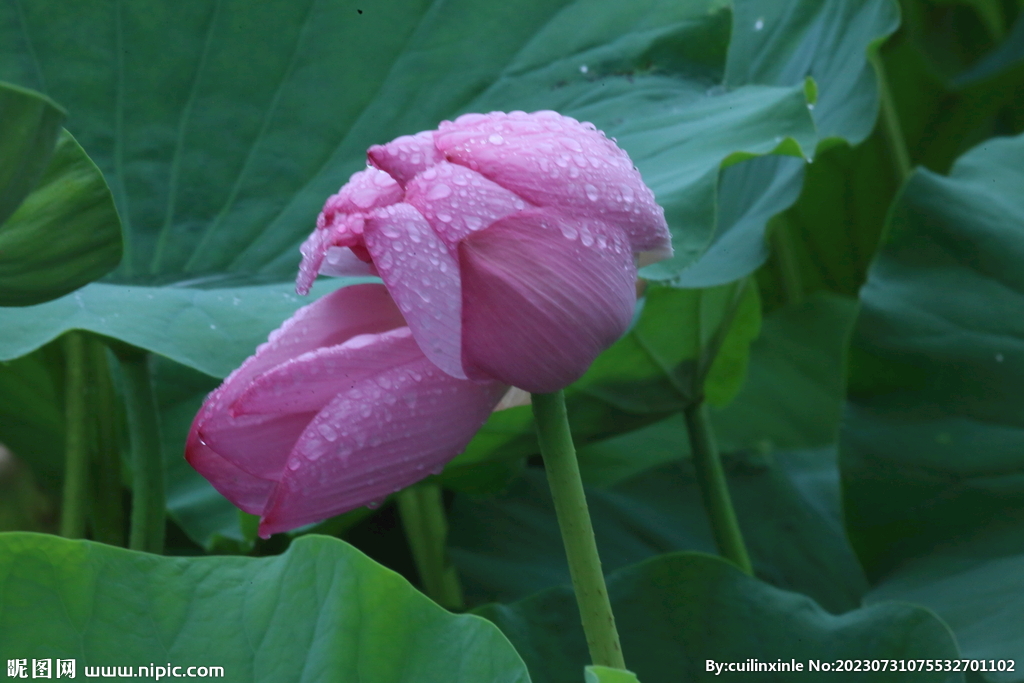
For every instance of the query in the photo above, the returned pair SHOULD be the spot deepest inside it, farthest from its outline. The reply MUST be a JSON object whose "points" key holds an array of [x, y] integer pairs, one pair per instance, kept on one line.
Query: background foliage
{"points": [[846, 296]]}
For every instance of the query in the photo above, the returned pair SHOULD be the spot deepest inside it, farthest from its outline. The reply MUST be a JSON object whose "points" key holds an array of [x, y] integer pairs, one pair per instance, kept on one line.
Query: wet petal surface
{"points": [[544, 294], [423, 277]]}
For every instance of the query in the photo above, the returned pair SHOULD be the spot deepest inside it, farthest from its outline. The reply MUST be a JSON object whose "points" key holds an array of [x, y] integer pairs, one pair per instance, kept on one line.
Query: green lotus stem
{"points": [[148, 505], [789, 266], [563, 472], [107, 506], [891, 121], [423, 517], [714, 489], [74, 506]]}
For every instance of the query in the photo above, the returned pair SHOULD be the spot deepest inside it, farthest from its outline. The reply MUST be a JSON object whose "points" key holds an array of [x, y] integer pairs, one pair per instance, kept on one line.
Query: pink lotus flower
{"points": [[338, 409], [508, 242]]}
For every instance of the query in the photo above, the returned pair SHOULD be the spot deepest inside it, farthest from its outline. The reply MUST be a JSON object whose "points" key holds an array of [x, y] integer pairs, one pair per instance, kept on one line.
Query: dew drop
{"points": [[627, 194], [437, 469], [568, 231], [584, 69], [439, 191], [374, 504], [759, 24], [473, 222], [586, 237], [999, 358], [294, 465], [327, 431], [430, 173], [592, 193]]}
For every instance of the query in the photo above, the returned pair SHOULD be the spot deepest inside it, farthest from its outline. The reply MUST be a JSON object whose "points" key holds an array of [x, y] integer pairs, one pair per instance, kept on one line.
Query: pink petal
{"points": [[380, 436], [311, 381], [553, 160], [259, 444], [365, 190], [457, 201], [256, 444], [340, 224], [405, 156], [240, 487], [423, 277], [543, 295]]}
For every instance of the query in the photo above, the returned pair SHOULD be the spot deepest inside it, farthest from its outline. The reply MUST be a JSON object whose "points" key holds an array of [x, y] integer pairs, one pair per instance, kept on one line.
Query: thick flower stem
{"points": [[76, 438], [107, 508], [563, 472], [147, 518], [714, 488], [891, 121], [422, 510]]}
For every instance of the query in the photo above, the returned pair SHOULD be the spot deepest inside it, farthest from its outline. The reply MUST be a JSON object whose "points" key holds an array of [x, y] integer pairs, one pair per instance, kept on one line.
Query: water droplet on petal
{"points": [[473, 222], [496, 139], [327, 431], [444, 218], [374, 504], [592, 193], [439, 191]]}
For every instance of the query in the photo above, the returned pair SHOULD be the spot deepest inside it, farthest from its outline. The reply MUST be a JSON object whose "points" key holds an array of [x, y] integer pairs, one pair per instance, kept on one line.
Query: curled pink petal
{"points": [[309, 382], [457, 201], [552, 160], [423, 277], [245, 490], [544, 294], [337, 410], [379, 436], [258, 444], [340, 225], [405, 156]]}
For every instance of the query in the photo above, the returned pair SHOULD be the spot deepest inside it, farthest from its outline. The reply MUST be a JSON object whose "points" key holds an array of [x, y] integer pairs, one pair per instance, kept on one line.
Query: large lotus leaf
{"points": [[212, 330], [830, 235], [507, 546], [29, 126], [933, 438], [780, 43], [676, 612], [949, 95], [222, 127], [65, 234], [321, 611]]}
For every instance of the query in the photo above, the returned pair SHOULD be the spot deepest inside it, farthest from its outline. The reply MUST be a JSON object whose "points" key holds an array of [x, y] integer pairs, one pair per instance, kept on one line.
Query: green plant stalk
{"points": [[563, 473], [107, 506], [148, 504], [423, 517], [74, 505], [714, 489], [891, 121], [785, 256]]}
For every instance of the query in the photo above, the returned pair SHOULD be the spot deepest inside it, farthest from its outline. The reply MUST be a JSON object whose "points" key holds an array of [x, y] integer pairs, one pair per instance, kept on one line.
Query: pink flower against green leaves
{"points": [[338, 409], [508, 241]]}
